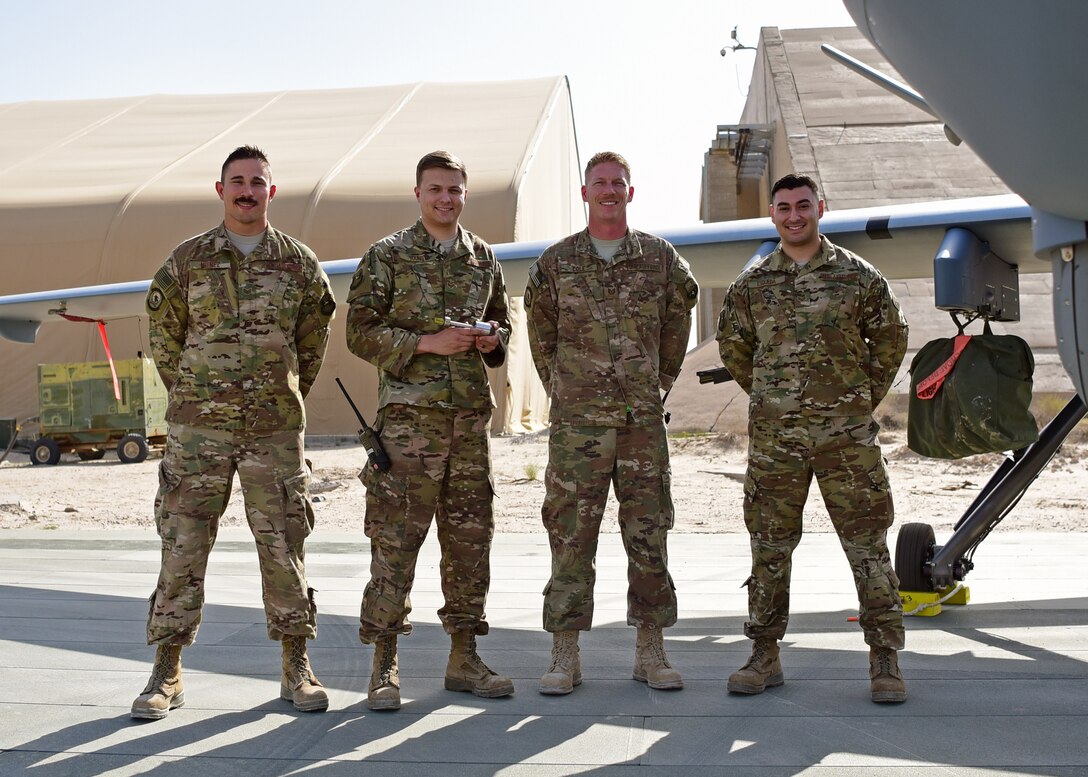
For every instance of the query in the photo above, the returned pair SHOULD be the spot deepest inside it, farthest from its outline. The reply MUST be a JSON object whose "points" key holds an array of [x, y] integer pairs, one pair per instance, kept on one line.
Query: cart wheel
{"points": [[132, 449], [94, 454], [913, 549], [45, 452]]}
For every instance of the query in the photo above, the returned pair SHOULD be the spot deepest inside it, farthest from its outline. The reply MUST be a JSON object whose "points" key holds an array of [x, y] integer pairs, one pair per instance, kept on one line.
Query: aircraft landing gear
{"points": [[913, 551], [927, 571]]}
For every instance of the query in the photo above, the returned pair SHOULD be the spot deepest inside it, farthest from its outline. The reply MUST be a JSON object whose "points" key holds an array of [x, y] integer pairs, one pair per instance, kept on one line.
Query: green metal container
{"points": [[78, 410]]}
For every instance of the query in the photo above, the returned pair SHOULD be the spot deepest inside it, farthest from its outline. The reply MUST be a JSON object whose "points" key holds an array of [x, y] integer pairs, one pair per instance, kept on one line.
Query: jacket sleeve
{"points": [[541, 314], [498, 309], [370, 336], [681, 296], [736, 335], [885, 330], [168, 320], [312, 330]]}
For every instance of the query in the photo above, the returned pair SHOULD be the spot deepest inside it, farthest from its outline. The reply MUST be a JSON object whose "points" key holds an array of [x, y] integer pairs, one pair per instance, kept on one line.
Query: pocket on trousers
{"points": [[753, 519], [386, 505], [880, 496], [666, 498], [384, 486], [299, 511], [167, 500]]}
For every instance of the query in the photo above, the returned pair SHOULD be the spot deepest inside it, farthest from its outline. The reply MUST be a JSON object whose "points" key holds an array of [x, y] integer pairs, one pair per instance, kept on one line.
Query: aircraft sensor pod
{"points": [[969, 278]]}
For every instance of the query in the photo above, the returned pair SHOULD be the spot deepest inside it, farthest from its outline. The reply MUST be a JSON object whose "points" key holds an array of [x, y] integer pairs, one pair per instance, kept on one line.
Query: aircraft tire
{"points": [[45, 451], [132, 449], [912, 550]]}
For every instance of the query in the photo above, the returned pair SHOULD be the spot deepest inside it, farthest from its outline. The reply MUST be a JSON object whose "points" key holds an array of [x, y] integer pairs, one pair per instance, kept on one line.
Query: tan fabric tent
{"points": [[99, 191]]}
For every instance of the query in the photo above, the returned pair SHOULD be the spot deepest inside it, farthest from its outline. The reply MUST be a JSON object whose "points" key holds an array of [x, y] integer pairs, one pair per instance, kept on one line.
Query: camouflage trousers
{"points": [[843, 454], [195, 479], [582, 462], [441, 469]]}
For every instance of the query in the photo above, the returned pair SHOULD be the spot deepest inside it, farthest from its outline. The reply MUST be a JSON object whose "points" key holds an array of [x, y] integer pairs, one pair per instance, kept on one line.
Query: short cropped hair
{"points": [[244, 152], [442, 160], [608, 156], [794, 181]]}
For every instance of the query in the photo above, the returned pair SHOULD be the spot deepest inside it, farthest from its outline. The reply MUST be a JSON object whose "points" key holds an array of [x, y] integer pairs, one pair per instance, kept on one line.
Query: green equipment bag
{"points": [[971, 394]]}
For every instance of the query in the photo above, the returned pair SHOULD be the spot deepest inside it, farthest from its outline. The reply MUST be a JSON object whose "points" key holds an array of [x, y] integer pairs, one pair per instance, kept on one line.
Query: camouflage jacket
{"points": [[239, 340], [405, 287], [607, 337], [823, 338]]}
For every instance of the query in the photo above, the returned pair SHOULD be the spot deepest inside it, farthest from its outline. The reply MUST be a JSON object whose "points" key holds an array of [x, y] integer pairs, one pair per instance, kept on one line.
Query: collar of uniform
{"points": [[630, 249], [461, 247], [423, 243], [825, 255], [221, 241], [780, 260]]}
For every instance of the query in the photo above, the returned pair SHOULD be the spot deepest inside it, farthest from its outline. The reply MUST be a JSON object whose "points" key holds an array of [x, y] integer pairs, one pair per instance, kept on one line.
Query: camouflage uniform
{"points": [[607, 337], [433, 417], [238, 341], [816, 346]]}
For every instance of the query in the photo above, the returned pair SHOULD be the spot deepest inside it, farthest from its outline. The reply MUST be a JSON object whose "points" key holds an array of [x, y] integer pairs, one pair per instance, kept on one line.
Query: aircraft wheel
{"points": [[132, 449], [94, 454], [913, 549], [45, 452]]}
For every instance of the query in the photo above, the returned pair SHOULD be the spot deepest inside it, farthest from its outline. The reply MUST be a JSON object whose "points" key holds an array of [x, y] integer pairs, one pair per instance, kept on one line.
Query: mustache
{"points": [[246, 200]]}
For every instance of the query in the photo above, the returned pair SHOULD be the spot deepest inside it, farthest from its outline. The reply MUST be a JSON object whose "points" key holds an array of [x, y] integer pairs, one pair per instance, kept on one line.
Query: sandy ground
{"points": [[707, 481]]}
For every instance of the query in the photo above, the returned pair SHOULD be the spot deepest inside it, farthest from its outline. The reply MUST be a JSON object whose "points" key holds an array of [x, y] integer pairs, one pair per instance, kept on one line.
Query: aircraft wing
{"points": [[899, 239]]}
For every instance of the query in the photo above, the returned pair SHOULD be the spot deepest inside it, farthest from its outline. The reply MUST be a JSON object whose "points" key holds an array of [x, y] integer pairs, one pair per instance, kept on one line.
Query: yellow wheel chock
{"points": [[930, 603]]}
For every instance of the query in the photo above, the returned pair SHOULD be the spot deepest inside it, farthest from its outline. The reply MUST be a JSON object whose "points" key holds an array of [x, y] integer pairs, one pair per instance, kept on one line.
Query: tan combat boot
{"points": [[466, 671], [763, 670], [887, 684], [565, 671], [651, 664], [164, 690], [384, 691], [297, 683]]}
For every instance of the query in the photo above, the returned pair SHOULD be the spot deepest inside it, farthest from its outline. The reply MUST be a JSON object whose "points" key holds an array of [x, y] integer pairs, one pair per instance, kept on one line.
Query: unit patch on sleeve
{"points": [[154, 299]]}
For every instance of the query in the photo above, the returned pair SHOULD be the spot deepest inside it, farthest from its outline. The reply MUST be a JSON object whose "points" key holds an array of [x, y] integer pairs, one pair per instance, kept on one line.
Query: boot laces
{"points": [[298, 658], [562, 655], [884, 661], [385, 667], [160, 671], [473, 658], [759, 651], [656, 649]]}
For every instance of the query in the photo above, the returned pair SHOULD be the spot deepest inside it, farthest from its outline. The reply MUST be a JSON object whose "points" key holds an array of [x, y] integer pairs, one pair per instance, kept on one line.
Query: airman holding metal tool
{"points": [[434, 411]]}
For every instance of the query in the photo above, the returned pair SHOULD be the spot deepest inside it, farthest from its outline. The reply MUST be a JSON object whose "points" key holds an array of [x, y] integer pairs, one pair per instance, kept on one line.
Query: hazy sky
{"points": [[646, 78]]}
